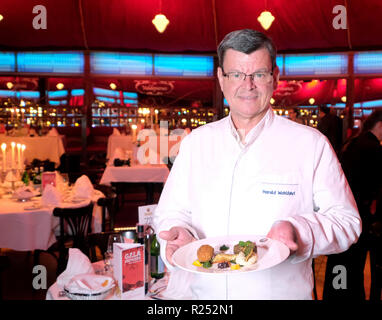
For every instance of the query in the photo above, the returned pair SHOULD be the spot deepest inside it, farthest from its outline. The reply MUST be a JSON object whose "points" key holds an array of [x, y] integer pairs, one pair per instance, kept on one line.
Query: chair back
{"points": [[109, 203], [79, 222]]}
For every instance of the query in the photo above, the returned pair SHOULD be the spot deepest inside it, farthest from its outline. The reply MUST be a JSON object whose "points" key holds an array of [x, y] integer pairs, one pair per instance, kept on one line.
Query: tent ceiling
{"points": [[195, 25]]}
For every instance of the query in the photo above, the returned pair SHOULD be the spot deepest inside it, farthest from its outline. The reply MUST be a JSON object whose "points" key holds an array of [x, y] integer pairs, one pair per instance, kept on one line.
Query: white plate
{"points": [[270, 253]]}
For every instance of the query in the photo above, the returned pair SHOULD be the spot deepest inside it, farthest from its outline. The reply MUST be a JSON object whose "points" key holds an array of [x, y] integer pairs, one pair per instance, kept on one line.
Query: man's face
{"points": [[247, 100]]}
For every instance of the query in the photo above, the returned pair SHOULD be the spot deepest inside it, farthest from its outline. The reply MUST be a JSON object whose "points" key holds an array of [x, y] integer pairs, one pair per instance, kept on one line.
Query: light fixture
{"points": [[9, 85], [1, 17], [272, 101], [266, 19], [60, 86], [343, 99], [160, 22], [113, 86], [311, 100]]}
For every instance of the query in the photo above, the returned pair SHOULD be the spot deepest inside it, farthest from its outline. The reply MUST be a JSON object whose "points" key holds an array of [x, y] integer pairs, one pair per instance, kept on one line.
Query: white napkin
{"points": [[89, 283], [51, 196], [53, 132], [118, 154], [116, 132], [24, 193], [78, 263], [11, 176], [179, 283], [83, 188]]}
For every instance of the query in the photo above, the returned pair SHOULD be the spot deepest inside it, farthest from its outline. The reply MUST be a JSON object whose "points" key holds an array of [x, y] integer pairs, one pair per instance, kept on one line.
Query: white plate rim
{"points": [[264, 262]]}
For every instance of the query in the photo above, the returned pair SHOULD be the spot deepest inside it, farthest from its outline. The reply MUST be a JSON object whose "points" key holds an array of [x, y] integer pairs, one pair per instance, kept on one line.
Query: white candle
{"points": [[3, 148], [19, 155], [13, 144], [22, 154], [134, 128]]}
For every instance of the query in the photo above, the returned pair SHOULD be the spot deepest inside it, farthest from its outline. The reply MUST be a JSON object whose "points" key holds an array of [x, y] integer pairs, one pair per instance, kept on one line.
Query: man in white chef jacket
{"points": [[253, 172]]}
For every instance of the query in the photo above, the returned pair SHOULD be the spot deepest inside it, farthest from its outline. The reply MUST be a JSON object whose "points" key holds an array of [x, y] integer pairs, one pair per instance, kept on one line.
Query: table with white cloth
{"points": [[148, 174], [22, 229], [42, 148], [55, 291]]}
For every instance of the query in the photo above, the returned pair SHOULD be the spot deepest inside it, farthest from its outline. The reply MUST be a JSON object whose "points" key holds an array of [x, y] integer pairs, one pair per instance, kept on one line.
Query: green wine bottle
{"points": [[156, 262]]}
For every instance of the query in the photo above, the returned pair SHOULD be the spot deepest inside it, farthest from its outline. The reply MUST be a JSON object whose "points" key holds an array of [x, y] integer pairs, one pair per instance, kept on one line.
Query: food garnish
{"points": [[223, 248]]}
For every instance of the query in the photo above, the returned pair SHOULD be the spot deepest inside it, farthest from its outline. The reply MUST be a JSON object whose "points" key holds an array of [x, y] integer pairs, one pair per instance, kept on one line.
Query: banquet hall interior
{"points": [[95, 100]]}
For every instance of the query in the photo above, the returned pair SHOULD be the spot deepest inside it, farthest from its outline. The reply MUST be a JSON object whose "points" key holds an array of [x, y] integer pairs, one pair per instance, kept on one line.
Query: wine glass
{"points": [[113, 238]]}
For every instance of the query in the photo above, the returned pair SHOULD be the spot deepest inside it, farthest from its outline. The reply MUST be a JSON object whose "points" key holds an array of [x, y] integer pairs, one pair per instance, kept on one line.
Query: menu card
{"points": [[48, 178], [145, 214], [129, 269]]}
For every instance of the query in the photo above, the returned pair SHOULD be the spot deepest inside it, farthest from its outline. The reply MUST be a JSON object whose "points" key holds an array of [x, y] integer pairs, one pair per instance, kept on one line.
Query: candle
{"points": [[22, 154], [19, 155], [3, 148], [13, 144], [134, 128]]}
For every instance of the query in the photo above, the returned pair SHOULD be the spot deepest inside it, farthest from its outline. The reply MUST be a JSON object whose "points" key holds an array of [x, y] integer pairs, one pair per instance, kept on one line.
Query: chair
{"points": [[109, 203], [78, 222]]}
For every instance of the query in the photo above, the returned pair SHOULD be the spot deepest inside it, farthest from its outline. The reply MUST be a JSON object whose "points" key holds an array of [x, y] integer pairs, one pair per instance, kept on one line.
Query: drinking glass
{"points": [[113, 238]]}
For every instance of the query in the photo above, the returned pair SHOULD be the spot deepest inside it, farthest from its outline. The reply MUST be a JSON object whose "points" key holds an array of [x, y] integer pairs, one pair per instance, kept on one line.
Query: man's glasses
{"points": [[257, 77]]}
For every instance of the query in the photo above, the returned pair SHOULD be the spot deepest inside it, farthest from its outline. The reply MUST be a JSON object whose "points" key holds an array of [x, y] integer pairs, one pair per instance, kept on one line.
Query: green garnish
{"points": [[224, 248], [207, 264]]}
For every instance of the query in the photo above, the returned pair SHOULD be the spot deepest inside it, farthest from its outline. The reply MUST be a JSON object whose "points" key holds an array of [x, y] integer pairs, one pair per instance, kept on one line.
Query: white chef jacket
{"points": [[219, 186]]}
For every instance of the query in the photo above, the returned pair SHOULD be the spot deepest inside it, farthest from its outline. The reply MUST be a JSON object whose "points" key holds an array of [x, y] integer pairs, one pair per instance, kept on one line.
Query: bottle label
{"points": [[157, 265]]}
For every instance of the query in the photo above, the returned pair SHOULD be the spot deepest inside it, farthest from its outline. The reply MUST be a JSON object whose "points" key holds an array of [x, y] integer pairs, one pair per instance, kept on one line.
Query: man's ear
{"points": [[276, 77], [220, 77]]}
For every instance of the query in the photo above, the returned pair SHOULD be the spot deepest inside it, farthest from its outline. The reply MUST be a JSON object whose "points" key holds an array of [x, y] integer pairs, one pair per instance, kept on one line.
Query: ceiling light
{"points": [[60, 86], [1, 17], [311, 100], [160, 22], [343, 99], [9, 85], [113, 86], [266, 18]]}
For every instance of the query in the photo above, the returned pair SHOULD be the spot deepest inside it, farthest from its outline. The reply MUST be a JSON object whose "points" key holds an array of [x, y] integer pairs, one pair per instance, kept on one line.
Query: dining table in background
{"points": [[147, 174], [38, 147], [24, 228]]}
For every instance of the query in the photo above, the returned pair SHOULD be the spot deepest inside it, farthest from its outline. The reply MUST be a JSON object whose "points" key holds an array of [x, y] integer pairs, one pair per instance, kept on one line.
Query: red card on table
{"points": [[129, 269], [48, 178]]}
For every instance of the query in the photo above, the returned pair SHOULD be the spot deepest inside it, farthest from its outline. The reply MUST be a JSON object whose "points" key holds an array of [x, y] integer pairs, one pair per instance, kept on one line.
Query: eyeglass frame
{"points": [[252, 75]]}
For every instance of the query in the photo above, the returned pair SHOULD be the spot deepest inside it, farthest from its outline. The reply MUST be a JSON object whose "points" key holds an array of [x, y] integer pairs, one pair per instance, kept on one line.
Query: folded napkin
{"points": [[179, 285], [53, 132], [118, 154], [51, 196], [89, 284], [24, 193], [11, 176], [116, 132], [83, 188], [78, 263]]}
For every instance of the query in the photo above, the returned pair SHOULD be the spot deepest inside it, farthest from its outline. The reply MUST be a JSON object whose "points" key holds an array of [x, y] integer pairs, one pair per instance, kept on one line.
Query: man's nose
{"points": [[249, 82]]}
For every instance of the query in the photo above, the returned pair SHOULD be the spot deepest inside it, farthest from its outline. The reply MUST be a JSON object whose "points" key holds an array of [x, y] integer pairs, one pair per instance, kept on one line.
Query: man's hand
{"points": [[176, 237], [284, 232]]}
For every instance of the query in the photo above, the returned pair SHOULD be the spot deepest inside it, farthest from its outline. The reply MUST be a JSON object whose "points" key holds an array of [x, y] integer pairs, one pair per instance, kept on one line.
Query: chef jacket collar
{"points": [[254, 132]]}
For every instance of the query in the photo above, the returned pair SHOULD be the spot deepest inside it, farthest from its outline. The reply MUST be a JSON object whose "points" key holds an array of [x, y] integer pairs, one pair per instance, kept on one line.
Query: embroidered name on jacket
{"points": [[279, 192]]}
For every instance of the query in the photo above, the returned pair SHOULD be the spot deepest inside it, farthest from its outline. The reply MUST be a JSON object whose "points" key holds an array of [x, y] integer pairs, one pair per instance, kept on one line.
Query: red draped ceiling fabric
{"points": [[195, 25]]}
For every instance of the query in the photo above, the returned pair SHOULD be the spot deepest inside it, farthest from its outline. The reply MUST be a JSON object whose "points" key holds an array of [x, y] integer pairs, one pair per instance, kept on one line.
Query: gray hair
{"points": [[246, 41]]}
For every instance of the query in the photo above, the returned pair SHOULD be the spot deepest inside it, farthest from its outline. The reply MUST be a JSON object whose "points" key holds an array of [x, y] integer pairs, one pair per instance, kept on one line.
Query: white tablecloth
{"points": [[135, 173], [42, 148], [28, 230]]}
